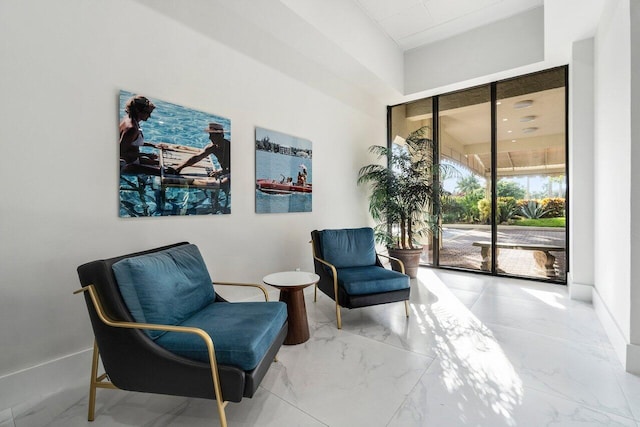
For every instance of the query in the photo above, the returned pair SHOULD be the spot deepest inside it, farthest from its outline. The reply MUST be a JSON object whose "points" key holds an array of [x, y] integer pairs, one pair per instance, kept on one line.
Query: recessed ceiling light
{"points": [[509, 131], [529, 130], [505, 119], [528, 118], [523, 104], [513, 140], [498, 103]]}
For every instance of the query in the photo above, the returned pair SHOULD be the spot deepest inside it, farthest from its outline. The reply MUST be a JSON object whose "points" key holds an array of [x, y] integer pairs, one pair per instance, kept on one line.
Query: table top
{"points": [[291, 279]]}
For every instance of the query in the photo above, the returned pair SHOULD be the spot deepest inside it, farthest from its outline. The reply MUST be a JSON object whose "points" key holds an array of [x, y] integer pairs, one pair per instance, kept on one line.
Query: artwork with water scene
{"points": [[173, 160], [283, 172]]}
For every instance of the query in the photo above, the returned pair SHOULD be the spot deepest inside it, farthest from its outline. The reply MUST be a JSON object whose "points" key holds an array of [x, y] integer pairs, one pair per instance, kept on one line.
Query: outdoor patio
{"points": [[457, 249]]}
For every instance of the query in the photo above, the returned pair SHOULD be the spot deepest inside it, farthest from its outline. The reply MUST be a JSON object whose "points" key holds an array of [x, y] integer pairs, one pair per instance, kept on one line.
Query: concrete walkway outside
{"points": [[457, 249]]}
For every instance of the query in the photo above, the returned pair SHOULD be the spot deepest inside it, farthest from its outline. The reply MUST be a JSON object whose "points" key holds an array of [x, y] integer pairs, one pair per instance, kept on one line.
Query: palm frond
{"points": [[404, 199]]}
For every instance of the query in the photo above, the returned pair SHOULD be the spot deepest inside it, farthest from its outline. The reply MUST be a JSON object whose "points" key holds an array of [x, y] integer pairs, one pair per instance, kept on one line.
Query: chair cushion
{"points": [[242, 332], [353, 247], [164, 287], [371, 280]]}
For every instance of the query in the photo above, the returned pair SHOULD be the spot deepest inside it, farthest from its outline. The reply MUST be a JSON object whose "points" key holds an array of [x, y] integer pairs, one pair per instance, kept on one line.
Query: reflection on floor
{"points": [[475, 351]]}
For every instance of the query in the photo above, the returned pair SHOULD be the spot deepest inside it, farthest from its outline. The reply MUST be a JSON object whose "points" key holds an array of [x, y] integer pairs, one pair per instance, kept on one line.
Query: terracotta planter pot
{"points": [[410, 258]]}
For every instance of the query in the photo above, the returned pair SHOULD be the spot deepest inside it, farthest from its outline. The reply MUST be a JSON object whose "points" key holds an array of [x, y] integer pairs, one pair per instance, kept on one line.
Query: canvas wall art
{"points": [[173, 160], [284, 172]]}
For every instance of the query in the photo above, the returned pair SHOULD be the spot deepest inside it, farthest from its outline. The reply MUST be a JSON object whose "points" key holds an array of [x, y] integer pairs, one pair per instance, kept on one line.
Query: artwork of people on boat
{"points": [[283, 173], [173, 160]]}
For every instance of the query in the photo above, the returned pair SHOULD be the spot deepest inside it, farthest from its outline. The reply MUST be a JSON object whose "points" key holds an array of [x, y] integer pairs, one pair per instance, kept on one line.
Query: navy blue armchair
{"points": [[351, 272]]}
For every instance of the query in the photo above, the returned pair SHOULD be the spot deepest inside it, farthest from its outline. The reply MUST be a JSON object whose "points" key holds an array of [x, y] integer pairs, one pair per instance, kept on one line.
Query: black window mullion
{"points": [[435, 131], [494, 175]]}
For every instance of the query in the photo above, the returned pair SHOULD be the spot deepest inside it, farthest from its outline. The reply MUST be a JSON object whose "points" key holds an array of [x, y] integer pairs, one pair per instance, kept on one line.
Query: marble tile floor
{"points": [[475, 351]]}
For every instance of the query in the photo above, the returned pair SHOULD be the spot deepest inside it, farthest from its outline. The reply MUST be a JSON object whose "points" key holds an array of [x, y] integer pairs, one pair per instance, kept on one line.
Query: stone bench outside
{"points": [[541, 254]]}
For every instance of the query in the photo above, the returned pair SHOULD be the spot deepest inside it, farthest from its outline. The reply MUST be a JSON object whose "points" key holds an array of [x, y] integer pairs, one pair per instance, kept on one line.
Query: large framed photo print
{"points": [[284, 173], [174, 160]]}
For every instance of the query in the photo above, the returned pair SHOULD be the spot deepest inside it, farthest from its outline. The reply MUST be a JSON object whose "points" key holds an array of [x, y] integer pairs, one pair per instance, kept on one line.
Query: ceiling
{"points": [[530, 125], [413, 23]]}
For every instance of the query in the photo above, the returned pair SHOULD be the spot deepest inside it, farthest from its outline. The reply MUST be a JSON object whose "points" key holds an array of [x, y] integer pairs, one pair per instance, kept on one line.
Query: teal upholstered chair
{"points": [[351, 272], [161, 327]]}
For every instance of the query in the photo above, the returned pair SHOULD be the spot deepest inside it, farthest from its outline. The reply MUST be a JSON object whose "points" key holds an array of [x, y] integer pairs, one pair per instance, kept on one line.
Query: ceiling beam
{"points": [[521, 144]]}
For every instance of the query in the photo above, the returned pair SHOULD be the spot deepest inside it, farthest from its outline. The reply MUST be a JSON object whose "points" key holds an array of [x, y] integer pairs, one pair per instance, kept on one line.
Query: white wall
{"points": [[507, 44], [273, 33], [635, 181], [612, 216], [581, 201], [343, 23], [62, 64]]}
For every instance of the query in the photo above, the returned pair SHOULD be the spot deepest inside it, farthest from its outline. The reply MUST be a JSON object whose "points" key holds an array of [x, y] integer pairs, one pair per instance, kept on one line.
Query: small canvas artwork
{"points": [[173, 160], [283, 172]]}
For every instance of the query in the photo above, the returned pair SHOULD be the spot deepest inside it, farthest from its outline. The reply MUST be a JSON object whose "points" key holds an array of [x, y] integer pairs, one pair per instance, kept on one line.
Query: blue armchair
{"points": [[161, 327], [351, 272]]}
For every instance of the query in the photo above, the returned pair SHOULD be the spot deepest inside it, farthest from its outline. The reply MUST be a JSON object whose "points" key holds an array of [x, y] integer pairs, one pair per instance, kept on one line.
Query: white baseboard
{"points": [[579, 291], [628, 354], [45, 379], [633, 359]]}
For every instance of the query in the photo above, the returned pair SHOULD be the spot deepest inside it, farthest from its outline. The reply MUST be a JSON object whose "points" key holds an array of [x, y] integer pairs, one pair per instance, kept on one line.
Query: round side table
{"points": [[291, 285]]}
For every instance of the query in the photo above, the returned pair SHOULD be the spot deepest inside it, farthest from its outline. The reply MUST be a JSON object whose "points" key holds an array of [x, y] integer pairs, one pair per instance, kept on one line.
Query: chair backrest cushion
{"points": [[350, 247], [164, 287]]}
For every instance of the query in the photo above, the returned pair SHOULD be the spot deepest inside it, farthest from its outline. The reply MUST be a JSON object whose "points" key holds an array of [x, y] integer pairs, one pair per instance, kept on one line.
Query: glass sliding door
{"points": [[464, 125], [531, 175], [405, 119]]}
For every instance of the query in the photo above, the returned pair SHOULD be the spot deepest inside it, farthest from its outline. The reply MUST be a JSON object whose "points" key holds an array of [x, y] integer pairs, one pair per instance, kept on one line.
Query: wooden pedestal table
{"points": [[291, 285]]}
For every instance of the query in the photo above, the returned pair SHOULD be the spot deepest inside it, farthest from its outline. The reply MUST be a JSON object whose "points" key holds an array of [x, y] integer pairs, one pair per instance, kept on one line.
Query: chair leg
{"points": [[222, 414], [94, 381], [97, 381], [315, 293], [406, 307], [339, 319]]}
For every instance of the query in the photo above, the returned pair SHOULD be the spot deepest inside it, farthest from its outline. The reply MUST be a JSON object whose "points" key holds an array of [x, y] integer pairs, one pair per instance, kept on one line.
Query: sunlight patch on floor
{"points": [[471, 359], [547, 297]]}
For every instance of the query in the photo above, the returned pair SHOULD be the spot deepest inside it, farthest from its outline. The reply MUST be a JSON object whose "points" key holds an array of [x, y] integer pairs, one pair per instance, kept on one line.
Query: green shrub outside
{"points": [[474, 208], [554, 207], [484, 207], [462, 209], [541, 222], [507, 208]]}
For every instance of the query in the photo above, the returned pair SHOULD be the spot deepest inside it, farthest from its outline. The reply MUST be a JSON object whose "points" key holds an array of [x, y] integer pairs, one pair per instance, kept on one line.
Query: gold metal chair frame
{"points": [[102, 381], [334, 274]]}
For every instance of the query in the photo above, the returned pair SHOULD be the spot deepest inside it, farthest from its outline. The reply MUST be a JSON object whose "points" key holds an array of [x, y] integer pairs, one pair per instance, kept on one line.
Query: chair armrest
{"points": [[135, 325], [328, 264], [396, 264], [334, 274], [169, 328], [331, 266], [320, 260], [252, 285]]}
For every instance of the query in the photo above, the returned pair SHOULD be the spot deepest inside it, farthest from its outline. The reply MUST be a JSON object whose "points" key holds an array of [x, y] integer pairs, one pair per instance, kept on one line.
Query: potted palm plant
{"points": [[404, 195]]}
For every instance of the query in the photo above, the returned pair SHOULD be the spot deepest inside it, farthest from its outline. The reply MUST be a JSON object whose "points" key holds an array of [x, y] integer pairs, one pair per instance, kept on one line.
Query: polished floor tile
{"points": [[475, 351], [630, 385], [575, 371], [543, 314], [6, 418], [344, 379], [446, 396]]}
